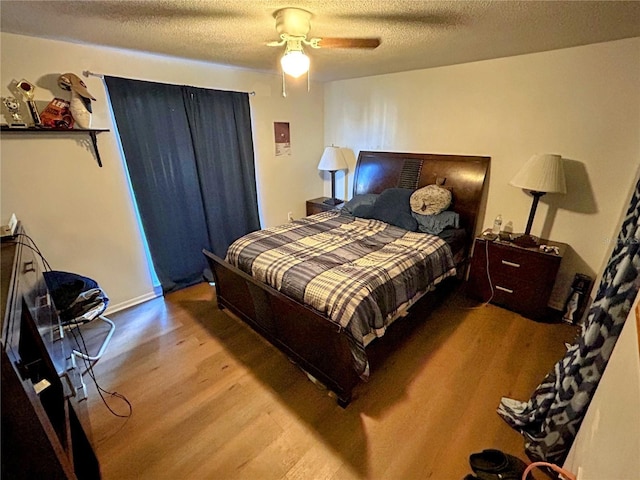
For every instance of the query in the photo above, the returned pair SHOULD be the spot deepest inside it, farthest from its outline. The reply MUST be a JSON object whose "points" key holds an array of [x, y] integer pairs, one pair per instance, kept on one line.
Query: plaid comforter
{"points": [[356, 272]]}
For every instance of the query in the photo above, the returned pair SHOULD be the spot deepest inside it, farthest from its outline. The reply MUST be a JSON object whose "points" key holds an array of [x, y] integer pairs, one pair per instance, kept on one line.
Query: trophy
{"points": [[27, 90], [13, 106]]}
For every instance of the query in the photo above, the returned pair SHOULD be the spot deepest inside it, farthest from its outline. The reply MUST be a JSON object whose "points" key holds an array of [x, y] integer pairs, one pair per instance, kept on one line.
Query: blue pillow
{"points": [[434, 224], [357, 200], [363, 211], [392, 207]]}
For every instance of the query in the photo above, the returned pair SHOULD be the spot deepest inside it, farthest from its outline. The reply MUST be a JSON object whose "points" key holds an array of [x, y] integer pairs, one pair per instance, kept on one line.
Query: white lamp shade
{"points": [[332, 159], [294, 63], [542, 173]]}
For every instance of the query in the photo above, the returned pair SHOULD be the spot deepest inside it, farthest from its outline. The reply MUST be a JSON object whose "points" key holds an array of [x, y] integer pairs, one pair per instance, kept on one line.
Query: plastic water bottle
{"points": [[497, 223]]}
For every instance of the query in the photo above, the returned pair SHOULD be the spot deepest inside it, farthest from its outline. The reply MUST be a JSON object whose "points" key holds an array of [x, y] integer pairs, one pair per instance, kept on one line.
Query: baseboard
{"points": [[157, 292]]}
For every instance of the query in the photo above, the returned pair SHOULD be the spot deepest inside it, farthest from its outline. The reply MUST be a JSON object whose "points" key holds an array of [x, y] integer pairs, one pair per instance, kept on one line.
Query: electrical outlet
{"points": [[290, 216]]}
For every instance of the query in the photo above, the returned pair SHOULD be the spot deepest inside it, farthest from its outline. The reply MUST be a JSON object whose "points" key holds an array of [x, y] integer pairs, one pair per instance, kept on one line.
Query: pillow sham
{"points": [[430, 200], [435, 224], [357, 200], [392, 207]]}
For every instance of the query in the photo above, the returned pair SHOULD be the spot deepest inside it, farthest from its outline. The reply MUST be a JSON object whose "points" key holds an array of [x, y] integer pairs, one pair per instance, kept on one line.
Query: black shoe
{"points": [[493, 464]]}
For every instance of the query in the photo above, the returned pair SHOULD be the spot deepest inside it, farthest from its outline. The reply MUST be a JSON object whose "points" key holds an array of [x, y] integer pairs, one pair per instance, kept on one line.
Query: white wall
{"points": [[81, 216], [582, 103]]}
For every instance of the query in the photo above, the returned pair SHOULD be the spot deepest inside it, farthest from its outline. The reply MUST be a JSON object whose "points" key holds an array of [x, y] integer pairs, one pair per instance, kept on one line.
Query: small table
{"points": [[521, 278], [317, 205]]}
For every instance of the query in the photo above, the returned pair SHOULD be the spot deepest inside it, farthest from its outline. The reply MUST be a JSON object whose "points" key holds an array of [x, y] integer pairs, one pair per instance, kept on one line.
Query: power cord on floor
{"points": [[488, 301], [89, 369]]}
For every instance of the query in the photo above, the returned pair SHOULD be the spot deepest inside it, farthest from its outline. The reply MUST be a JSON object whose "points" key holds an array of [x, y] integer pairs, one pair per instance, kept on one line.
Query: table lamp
{"points": [[332, 160], [541, 174]]}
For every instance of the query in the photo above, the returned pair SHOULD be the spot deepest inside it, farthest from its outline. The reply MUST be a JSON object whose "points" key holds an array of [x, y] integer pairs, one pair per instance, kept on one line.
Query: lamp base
{"points": [[526, 241], [332, 201]]}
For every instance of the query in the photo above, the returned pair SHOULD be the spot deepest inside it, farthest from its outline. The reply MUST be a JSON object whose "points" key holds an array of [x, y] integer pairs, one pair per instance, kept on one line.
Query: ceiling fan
{"points": [[293, 25]]}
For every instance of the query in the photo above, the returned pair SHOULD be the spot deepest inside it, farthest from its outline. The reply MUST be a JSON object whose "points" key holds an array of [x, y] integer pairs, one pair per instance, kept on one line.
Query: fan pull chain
{"points": [[284, 88], [284, 83]]}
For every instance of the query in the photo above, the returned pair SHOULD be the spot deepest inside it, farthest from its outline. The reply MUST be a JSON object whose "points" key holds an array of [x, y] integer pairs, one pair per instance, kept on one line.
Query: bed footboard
{"points": [[308, 338]]}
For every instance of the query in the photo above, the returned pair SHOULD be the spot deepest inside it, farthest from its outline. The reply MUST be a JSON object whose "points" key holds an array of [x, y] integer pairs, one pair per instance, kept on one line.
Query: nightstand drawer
{"points": [[526, 265], [525, 297]]}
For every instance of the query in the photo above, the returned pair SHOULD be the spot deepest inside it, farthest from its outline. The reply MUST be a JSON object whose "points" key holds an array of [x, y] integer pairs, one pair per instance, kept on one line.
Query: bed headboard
{"points": [[465, 174]]}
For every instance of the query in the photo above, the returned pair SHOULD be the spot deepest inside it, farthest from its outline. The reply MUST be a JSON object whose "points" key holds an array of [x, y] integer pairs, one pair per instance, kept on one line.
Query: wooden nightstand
{"points": [[522, 278], [316, 206]]}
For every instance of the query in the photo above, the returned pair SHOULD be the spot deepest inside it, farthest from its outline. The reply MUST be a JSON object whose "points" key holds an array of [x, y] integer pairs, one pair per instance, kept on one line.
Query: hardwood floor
{"points": [[212, 400]]}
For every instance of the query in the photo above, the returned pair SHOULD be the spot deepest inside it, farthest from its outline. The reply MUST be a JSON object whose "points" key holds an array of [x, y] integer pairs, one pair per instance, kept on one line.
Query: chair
{"points": [[79, 300]]}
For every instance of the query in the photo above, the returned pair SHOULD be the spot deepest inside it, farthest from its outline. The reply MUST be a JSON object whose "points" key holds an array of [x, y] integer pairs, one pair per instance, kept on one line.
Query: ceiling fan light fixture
{"points": [[295, 63]]}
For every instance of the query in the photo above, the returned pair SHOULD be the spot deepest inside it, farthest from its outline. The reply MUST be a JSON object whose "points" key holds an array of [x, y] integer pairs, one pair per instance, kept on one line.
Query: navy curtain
{"points": [[189, 153]]}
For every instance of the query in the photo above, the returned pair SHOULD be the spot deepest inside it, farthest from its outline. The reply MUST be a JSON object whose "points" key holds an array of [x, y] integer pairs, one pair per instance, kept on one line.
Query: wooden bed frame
{"points": [[309, 338]]}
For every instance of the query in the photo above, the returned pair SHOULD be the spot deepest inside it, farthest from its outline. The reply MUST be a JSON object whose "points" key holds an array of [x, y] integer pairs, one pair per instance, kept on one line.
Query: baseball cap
{"points": [[70, 81]]}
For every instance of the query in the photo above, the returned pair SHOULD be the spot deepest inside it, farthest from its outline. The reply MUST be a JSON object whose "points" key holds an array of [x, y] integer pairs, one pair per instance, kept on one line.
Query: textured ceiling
{"points": [[414, 34]]}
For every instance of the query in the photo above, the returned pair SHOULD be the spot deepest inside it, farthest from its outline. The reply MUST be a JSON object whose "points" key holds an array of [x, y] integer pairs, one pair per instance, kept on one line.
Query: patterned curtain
{"points": [[550, 420]]}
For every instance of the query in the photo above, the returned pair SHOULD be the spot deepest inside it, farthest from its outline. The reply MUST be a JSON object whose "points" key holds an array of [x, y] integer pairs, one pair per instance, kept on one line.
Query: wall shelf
{"points": [[92, 132]]}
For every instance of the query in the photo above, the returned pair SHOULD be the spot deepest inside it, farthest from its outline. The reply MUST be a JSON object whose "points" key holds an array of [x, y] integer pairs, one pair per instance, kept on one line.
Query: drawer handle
{"points": [[511, 264], [498, 287]]}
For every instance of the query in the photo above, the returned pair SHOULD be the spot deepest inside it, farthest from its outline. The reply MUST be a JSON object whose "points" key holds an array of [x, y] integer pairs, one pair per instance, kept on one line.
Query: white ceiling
{"points": [[414, 34]]}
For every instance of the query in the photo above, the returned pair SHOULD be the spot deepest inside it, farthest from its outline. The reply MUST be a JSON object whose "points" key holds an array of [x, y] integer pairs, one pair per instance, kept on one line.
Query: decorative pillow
{"points": [[435, 224], [357, 200], [430, 200], [392, 207]]}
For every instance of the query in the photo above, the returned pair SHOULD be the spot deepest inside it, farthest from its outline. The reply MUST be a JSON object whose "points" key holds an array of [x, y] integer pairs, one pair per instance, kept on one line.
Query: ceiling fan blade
{"points": [[348, 42]]}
